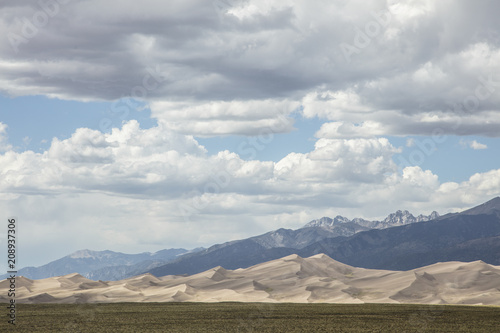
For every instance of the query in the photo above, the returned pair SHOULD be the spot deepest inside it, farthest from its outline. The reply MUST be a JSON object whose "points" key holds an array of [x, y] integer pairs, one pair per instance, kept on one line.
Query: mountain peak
{"points": [[489, 207], [90, 254], [86, 253], [400, 218], [326, 222]]}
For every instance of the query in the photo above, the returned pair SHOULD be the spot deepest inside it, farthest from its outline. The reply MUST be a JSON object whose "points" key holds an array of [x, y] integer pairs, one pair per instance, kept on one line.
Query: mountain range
{"points": [[471, 235], [103, 265], [399, 242], [109, 265]]}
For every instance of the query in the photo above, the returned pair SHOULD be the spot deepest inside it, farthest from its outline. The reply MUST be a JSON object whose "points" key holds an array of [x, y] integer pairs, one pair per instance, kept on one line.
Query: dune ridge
{"points": [[317, 279]]}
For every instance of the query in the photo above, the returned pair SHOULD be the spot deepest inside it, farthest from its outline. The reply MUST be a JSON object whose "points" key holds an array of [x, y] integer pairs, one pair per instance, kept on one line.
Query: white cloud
{"points": [[476, 145], [410, 142], [254, 117], [166, 183], [4, 144], [429, 124], [160, 163], [473, 144], [336, 162]]}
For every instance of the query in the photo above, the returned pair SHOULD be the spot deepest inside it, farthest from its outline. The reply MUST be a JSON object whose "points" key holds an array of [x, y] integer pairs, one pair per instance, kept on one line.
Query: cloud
{"points": [[429, 124], [4, 144], [419, 60], [473, 144], [252, 117], [340, 161], [137, 189], [159, 163], [240, 68], [476, 145], [410, 142], [126, 161]]}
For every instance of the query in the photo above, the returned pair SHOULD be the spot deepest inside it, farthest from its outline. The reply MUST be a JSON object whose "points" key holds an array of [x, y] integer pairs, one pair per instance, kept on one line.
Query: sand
{"points": [[317, 279]]}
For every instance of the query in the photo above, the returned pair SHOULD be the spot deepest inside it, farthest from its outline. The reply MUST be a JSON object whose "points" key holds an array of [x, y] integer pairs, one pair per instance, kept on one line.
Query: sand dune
{"points": [[290, 279]]}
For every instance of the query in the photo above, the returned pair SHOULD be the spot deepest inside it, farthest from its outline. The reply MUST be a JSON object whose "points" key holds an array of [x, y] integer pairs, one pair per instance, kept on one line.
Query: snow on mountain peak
{"points": [[400, 217], [326, 222]]}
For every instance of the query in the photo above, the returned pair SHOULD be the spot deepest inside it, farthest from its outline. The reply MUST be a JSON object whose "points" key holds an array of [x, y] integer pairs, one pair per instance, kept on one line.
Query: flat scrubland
{"points": [[252, 317]]}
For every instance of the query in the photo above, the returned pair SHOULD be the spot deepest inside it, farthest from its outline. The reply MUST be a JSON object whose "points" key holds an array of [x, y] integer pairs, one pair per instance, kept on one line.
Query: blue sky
{"points": [[40, 119], [193, 124]]}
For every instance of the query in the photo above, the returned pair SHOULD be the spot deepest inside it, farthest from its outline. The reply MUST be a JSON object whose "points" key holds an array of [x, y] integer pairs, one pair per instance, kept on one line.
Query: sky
{"points": [[140, 126]]}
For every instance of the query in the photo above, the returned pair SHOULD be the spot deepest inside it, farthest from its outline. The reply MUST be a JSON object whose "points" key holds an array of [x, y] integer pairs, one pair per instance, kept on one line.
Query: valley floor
{"points": [[252, 317]]}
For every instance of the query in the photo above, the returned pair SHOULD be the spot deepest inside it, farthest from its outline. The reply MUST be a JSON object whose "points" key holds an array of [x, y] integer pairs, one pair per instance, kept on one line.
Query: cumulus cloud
{"points": [[473, 144], [126, 161], [339, 161], [477, 146], [158, 162], [167, 180]]}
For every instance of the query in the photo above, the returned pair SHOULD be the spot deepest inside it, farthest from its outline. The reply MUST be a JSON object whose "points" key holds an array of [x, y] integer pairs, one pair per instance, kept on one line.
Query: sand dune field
{"points": [[317, 279]]}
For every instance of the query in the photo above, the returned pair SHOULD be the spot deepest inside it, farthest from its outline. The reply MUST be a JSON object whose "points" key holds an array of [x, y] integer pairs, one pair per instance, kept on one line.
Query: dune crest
{"points": [[318, 278]]}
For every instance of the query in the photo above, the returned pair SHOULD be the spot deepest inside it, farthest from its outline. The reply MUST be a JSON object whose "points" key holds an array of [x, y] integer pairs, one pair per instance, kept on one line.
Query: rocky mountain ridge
{"points": [[459, 236], [395, 219], [109, 265]]}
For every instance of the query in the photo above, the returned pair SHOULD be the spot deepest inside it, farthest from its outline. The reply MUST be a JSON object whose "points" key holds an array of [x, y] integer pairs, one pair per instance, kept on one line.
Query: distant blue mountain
{"points": [[101, 265]]}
